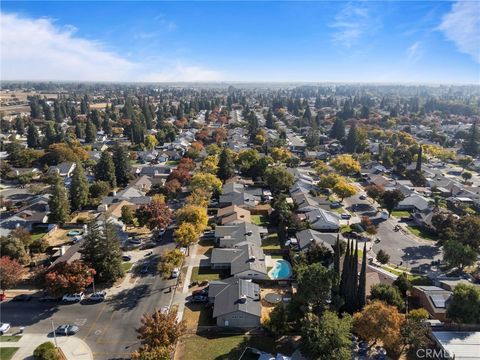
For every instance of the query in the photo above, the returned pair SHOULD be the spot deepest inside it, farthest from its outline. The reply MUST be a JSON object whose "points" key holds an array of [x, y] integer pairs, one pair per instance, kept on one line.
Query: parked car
{"points": [[98, 296], [4, 327], [203, 283], [164, 309], [73, 297], [161, 233], [145, 269], [203, 292], [335, 205], [198, 298], [22, 297], [135, 241], [362, 197], [47, 297], [126, 258], [66, 330], [148, 245], [346, 216], [175, 273], [183, 250]]}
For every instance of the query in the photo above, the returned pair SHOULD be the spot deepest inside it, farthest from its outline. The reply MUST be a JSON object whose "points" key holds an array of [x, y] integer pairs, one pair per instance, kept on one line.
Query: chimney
{"points": [[252, 258], [242, 299]]}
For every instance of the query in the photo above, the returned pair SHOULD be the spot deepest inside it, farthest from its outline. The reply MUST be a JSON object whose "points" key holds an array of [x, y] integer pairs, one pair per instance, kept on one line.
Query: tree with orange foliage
{"points": [[68, 278], [160, 329], [380, 323], [156, 215], [11, 273]]}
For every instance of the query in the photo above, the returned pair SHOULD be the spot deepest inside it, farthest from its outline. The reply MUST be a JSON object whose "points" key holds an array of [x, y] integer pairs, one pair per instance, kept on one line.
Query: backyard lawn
{"points": [[37, 234], [6, 353], [260, 220], [172, 162], [271, 242], [205, 273], [223, 347]]}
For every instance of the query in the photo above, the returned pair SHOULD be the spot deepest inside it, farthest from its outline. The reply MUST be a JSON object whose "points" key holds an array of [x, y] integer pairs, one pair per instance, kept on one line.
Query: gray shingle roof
{"points": [[237, 295]]}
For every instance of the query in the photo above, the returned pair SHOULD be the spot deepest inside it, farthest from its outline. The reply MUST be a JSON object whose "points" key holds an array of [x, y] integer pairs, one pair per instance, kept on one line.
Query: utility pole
{"points": [[54, 334]]}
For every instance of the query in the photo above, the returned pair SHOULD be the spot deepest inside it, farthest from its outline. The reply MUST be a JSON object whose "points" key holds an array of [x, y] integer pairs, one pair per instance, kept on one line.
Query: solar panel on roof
{"points": [[438, 300]]}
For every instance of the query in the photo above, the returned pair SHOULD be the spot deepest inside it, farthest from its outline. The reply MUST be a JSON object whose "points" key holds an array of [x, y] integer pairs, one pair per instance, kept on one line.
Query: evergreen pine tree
{"points": [[472, 145], [419, 159], [79, 131], [79, 190], [352, 139], [105, 169], [58, 203], [270, 123], [226, 166], [122, 165], [20, 125], [47, 111], [101, 250], [90, 132], [338, 129], [354, 293], [84, 105], [336, 256], [50, 134], [362, 283], [345, 271], [33, 137]]}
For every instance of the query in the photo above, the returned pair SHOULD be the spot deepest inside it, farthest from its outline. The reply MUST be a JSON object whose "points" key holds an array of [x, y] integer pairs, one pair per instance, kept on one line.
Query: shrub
{"points": [[46, 351]]}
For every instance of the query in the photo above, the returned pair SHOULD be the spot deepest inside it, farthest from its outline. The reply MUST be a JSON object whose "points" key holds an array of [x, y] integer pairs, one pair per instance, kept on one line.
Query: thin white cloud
{"points": [[414, 52], [462, 26], [351, 23], [36, 49]]}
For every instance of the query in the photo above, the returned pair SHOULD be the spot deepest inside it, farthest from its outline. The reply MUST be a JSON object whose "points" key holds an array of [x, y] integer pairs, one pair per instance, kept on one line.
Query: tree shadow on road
{"points": [[420, 252], [128, 299]]}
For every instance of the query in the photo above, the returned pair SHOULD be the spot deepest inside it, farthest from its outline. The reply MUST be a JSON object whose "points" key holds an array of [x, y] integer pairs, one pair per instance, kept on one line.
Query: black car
{"points": [[148, 245], [145, 269], [22, 297], [198, 298], [126, 258], [202, 292]]}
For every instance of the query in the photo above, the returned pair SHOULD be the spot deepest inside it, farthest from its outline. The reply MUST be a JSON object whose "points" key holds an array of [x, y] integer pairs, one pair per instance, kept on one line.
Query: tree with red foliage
{"points": [[156, 215], [68, 278], [172, 186], [186, 163], [11, 272]]}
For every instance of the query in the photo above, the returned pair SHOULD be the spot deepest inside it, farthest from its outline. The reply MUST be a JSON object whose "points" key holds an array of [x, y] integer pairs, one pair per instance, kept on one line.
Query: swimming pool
{"points": [[281, 270]]}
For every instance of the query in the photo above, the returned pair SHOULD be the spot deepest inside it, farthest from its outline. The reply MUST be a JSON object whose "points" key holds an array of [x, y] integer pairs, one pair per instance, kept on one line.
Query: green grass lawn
{"points": [[126, 266], [260, 220], [6, 353], [205, 273], [9, 338], [339, 210], [37, 235], [400, 213], [271, 242], [223, 347], [414, 279], [172, 162], [418, 231], [345, 228]]}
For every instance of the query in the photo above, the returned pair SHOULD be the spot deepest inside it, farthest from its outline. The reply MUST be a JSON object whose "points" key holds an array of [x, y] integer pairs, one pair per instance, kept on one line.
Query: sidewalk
{"points": [[73, 347]]}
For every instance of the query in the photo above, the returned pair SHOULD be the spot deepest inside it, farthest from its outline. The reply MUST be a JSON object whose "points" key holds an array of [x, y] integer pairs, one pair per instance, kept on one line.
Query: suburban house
{"points": [[307, 237], [34, 214], [244, 261], [64, 169], [143, 183], [306, 202], [131, 194], [413, 202], [233, 235], [434, 299], [236, 303], [237, 194], [323, 220], [232, 215]]}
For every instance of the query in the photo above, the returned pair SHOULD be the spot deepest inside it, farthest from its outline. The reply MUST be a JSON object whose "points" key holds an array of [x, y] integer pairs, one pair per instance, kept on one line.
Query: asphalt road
{"points": [[403, 248], [107, 327]]}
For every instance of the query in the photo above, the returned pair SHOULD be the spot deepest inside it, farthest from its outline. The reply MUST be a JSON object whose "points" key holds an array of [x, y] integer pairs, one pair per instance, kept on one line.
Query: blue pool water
{"points": [[282, 270]]}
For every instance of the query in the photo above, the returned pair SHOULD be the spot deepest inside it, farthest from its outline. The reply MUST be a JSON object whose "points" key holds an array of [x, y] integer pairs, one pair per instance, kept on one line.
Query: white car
{"points": [[73, 297], [98, 296], [175, 273], [4, 327]]}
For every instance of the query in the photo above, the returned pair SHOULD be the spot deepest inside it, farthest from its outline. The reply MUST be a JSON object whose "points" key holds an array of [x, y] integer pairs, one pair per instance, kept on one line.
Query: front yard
{"points": [[205, 273], [224, 347], [6, 353], [196, 315], [401, 213], [418, 231]]}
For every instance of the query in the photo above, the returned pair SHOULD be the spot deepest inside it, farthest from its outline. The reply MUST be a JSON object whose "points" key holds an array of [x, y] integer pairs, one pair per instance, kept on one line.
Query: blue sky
{"points": [[385, 41]]}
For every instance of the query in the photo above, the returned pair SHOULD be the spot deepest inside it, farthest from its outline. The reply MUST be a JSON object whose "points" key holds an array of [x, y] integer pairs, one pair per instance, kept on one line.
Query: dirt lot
{"points": [[284, 291]]}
